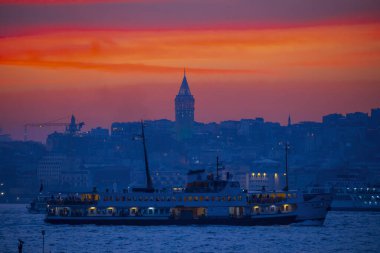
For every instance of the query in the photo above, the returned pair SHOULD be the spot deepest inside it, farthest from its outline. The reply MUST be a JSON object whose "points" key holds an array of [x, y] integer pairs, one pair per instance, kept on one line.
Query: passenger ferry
{"points": [[38, 204], [206, 199], [360, 198]]}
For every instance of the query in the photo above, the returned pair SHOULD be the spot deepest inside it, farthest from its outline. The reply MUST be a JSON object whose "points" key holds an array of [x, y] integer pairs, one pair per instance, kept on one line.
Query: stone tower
{"points": [[184, 110]]}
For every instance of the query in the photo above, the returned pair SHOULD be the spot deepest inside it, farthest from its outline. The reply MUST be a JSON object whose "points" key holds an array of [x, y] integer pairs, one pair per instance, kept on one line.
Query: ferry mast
{"points": [[149, 184]]}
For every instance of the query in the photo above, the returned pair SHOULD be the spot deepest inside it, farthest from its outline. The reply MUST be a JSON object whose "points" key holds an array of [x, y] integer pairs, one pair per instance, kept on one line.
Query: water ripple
{"points": [[342, 232]]}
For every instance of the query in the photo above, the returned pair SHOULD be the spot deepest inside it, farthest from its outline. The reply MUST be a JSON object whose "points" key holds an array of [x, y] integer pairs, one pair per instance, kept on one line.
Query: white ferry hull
{"points": [[315, 209]]}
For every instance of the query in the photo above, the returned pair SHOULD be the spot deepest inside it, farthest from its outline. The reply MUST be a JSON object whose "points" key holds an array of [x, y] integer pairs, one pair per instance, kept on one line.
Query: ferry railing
{"points": [[71, 202]]}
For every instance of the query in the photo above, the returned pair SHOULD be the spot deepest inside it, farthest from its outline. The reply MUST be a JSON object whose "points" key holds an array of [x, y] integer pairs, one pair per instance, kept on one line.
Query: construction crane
{"points": [[71, 128]]}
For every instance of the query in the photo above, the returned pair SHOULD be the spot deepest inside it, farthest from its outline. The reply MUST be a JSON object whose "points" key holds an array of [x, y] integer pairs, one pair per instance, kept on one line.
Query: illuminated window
{"points": [[201, 198], [190, 198], [234, 198], [133, 210], [229, 198], [195, 198], [206, 198], [110, 210]]}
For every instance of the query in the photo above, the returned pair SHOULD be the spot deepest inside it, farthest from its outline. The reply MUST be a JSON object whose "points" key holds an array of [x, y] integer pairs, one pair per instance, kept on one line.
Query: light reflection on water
{"points": [[342, 232]]}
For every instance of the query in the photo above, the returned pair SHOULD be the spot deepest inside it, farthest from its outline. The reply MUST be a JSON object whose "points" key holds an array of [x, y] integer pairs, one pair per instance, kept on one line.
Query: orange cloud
{"points": [[125, 68], [270, 53], [72, 1]]}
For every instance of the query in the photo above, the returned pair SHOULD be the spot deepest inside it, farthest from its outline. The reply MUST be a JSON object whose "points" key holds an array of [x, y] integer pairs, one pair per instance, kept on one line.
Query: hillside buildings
{"points": [[250, 149]]}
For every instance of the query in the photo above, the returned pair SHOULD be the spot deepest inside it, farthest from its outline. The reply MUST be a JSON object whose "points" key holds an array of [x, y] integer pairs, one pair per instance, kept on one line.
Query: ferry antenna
{"points": [[286, 166]]}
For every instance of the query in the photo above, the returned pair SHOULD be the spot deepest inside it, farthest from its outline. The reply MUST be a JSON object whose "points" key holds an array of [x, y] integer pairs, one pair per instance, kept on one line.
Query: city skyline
{"points": [[40, 133], [109, 61]]}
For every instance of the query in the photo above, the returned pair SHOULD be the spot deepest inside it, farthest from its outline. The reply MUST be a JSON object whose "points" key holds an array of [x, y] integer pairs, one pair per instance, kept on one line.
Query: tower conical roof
{"points": [[184, 89]]}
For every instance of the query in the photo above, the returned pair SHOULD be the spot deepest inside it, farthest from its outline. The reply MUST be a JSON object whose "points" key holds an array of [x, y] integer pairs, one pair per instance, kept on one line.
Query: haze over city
{"points": [[108, 61]]}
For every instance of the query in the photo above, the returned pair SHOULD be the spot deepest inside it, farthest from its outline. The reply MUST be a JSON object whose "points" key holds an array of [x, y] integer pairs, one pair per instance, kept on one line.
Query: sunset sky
{"points": [[109, 61]]}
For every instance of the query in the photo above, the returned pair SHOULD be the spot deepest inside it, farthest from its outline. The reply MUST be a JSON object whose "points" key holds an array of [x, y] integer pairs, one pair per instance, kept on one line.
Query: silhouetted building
{"points": [[99, 132], [357, 119], [49, 170], [333, 119], [61, 173], [4, 137], [75, 180], [375, 117], [184, 110]]}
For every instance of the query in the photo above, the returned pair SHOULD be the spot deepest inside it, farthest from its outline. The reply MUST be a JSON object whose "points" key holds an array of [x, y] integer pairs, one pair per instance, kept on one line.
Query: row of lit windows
{"points": [[173, 198], [274, 195], [264, 174]]}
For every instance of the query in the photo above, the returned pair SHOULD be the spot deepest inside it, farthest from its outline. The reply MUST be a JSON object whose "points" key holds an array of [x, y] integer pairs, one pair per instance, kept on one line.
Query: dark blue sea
{"points": [[342, 232]]}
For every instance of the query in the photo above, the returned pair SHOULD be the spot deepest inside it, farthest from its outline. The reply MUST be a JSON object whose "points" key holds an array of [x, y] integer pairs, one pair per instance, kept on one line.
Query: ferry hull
{"points": [[355, 209], [262, 221]]}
